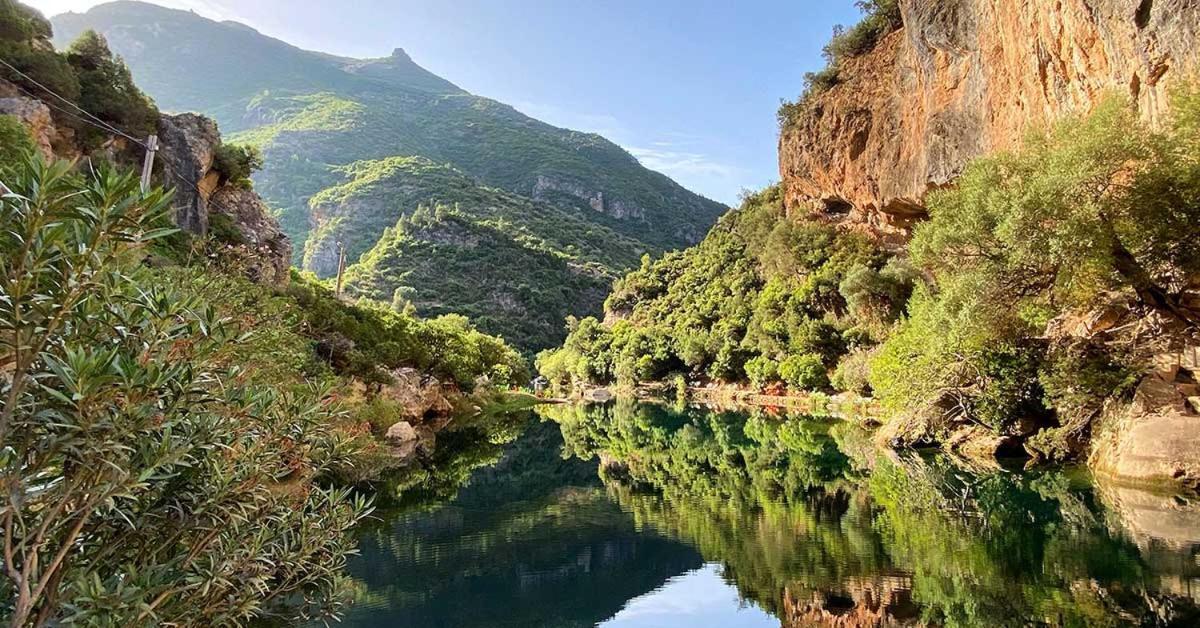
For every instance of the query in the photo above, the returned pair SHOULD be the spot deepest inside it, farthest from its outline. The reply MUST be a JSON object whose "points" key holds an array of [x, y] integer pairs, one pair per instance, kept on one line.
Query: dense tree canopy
{"points": [[1099, 206], [765, 299]]}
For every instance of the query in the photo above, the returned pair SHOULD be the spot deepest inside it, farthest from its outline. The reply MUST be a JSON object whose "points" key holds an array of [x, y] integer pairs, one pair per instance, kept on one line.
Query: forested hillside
{"points": [[320, 120]]}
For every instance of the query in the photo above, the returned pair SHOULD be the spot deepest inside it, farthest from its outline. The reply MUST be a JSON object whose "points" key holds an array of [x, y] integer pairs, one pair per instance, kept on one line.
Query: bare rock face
{"points": [[964, 78], [401, 432], [188, 145], [268, 249], [594, 198], [421, 397], [1155, 440]]}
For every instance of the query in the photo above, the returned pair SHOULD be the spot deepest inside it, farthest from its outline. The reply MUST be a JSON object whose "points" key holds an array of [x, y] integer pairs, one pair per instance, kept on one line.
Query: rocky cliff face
{"points": [[188, 147], [968, 77]]}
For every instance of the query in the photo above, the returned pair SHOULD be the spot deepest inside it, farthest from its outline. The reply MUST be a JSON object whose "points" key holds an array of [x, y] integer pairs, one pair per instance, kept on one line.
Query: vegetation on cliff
{"points": [[88, 74], [1098, 210], [880, 18], [764, 299], [1098, 207]]}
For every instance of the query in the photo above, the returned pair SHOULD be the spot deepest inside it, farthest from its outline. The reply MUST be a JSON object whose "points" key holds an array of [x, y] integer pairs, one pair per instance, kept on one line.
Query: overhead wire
{"points": [[97, 123], [96, 120]]}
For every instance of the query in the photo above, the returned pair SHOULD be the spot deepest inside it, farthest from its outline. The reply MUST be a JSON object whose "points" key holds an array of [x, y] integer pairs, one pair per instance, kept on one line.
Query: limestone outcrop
{"points": [[188, 148], [264, 247], [1155, 439], [964, 78], [420, 396]]}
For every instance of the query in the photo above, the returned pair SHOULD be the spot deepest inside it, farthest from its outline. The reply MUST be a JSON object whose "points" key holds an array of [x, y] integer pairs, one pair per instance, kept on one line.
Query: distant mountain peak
{"points": [[399, 55]]}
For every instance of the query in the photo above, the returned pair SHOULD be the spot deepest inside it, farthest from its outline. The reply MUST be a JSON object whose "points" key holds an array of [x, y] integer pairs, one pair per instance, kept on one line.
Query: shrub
{"points": [[804, 372], [762, 371], [16, 145], [880, 18], [853, 373], [1099, 204], [147, 481], [236, 163]]}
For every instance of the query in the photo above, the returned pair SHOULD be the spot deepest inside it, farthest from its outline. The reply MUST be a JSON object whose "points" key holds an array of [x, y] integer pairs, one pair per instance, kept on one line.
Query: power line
{"points": [[103, 125]]}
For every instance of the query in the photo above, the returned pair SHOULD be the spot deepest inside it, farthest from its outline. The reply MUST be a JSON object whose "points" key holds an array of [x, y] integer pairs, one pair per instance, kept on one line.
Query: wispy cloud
{"points": [[682, 164], [672, 153]]}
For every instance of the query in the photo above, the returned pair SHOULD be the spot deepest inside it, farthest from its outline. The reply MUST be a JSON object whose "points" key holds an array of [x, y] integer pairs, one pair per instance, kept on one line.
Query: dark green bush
{"points": [[804, 372], [237, 163]]}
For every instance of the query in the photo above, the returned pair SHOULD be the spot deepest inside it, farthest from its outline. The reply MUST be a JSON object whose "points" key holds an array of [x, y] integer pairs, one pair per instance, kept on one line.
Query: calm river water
{"points": [[642, 516]]}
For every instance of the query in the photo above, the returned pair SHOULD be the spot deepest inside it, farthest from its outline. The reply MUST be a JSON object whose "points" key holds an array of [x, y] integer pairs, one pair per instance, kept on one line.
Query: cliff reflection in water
{"points": [[813, 523], [521, 522]]}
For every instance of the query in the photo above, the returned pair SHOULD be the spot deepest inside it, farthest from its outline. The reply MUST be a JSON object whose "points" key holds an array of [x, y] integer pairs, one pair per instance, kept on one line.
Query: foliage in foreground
{"points": [[147, 478]]}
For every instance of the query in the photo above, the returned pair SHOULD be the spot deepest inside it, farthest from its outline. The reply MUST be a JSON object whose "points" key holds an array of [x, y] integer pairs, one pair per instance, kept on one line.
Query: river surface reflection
{"points": [[636, 516]]}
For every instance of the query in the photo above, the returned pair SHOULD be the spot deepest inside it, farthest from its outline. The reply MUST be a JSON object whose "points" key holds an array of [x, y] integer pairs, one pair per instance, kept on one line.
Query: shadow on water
{"points": [[563, 519]]}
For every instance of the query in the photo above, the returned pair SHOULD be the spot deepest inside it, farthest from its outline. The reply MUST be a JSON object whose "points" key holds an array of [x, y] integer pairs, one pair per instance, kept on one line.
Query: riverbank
{"points": [[863, 410]]}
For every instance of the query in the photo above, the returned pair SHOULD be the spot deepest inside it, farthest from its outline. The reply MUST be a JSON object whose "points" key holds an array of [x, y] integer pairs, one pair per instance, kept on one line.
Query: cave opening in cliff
{"points": [[837, 206], [1142, 16]]}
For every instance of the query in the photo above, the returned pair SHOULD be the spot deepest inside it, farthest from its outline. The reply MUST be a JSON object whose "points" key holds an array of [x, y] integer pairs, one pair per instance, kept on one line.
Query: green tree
{"points": [[146, 482], [236, 163], [804, 372], [107, 90], [1099, 204], [25, 44]]}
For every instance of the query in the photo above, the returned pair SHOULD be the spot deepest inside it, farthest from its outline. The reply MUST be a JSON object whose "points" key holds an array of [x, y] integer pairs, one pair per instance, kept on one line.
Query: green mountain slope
{"points": [[443, 262], [353, 145], [311, 112], [372, 195]]}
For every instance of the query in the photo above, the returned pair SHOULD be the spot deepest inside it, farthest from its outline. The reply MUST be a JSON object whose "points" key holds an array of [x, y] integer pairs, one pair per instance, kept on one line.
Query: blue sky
{"points": [[689, 87], [697, 598]]}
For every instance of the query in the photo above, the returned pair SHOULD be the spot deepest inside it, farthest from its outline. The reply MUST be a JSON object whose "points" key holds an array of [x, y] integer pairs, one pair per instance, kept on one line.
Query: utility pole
{"points": [[341, 267], [148, 165]]}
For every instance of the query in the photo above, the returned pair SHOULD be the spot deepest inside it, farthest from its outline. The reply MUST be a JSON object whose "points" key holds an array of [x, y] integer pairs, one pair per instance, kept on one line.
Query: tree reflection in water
{"points": [[817, 526]]}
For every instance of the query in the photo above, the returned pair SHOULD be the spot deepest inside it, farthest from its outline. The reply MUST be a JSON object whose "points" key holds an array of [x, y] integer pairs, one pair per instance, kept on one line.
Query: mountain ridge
{"points": [[313, 115]]}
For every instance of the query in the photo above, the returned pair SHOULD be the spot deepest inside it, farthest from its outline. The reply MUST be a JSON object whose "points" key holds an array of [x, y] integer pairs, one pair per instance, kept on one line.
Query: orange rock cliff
{"points": [[964, 78]]}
